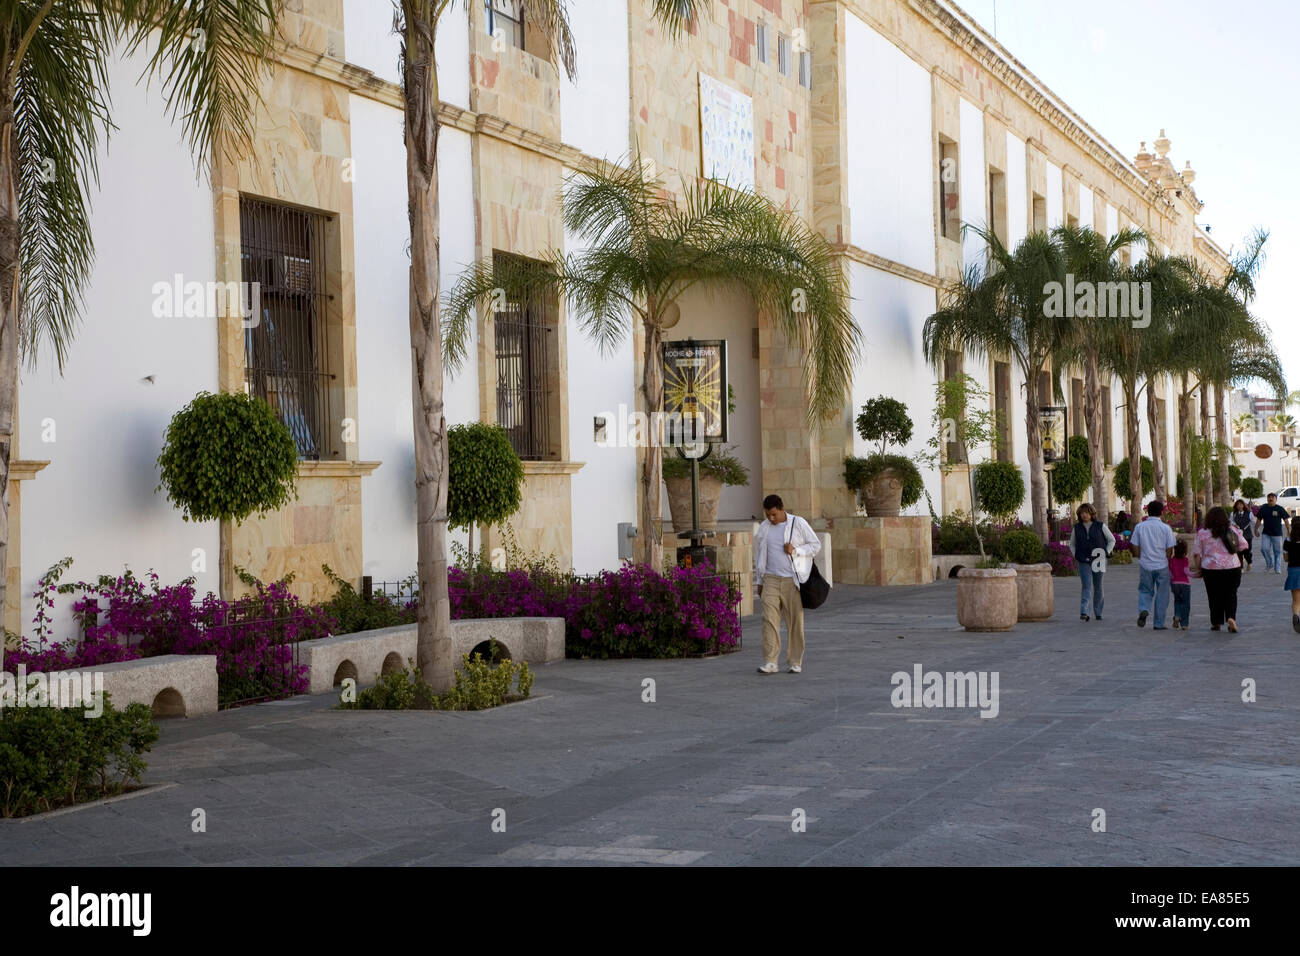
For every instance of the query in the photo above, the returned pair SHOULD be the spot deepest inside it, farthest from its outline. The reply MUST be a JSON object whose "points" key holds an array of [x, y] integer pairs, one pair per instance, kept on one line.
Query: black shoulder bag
{"points": [[814, 591]]}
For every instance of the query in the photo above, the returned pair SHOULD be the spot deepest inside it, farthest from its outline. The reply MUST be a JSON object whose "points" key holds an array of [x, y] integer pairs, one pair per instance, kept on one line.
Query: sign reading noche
{"points": [[695, 391]]}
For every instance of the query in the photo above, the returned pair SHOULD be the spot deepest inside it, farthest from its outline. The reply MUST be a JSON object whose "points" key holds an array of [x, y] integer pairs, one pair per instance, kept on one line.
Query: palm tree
{"points": [[644, 248], [1124, 345], [1003, 310], [417, 22], [1090, 256], [1245, 422], [54, 110], [1282, 422]]}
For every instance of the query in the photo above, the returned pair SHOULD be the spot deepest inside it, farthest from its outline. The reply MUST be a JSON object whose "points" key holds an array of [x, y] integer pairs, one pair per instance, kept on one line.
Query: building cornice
{"points": [[858, 254]]}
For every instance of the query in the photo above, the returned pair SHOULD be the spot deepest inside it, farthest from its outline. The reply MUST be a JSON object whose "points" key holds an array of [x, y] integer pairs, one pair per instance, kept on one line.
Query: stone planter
{"points": [[679, 501], [986, 599], [883, 495], [1035, 595]]}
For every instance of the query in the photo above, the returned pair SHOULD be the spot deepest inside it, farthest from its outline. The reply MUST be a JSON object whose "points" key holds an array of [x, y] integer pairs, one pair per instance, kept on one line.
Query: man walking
{"points": [[1153, 542], [1272, 517], [783, 551]]}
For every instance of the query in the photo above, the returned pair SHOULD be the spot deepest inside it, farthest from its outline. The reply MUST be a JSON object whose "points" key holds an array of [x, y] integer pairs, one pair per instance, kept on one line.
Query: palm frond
{"points": [[210, 56], [679, 16], [61, 110]]}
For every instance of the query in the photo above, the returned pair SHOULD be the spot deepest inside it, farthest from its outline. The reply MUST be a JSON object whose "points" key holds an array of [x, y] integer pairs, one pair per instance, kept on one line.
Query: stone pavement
{"points": [[1148, 726]]}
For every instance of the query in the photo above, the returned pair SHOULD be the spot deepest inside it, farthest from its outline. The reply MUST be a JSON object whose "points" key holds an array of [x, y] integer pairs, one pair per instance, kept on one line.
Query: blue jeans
{"points": [[1182, 602], [1154, 584], [1091, 590], [1270, 545]]}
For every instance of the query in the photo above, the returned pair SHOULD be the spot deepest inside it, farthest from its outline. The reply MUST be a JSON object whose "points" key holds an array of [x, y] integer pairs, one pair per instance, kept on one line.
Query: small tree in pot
{"points": [[886, 483], [717, 470]]}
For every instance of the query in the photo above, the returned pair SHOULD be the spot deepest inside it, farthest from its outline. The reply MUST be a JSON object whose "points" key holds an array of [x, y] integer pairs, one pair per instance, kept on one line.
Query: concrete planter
{"points": [[367, 654], [679, 501], [986, 599], [1035, 596], [883, 495]]}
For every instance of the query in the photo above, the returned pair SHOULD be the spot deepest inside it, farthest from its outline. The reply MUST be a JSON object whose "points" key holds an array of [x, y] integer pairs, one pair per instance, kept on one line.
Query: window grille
{"points": [[523, 380], [286, 345]]}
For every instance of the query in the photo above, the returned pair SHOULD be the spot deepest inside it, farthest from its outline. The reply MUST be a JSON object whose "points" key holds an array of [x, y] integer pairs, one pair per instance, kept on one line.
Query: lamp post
{"points": [[1056, 447]]}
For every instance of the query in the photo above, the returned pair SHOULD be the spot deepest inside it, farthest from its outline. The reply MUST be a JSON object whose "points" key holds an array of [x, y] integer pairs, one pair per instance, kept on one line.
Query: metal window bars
{"points": [[286, 345]]}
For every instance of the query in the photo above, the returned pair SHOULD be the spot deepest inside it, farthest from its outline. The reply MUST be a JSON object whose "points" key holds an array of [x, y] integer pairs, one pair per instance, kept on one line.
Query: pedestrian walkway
{"points": [[1148, 727]]}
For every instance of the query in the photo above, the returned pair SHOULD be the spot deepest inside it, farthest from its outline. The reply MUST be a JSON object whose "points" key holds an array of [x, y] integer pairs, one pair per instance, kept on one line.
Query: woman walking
{"points": [[1089, 538], [1291, 548], [1215, 557], [1243, 519]]}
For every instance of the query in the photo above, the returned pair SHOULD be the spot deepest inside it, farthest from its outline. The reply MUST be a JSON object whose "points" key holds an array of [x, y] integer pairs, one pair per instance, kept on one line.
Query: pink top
{"points": [[1214, 555], [1178, 571]]}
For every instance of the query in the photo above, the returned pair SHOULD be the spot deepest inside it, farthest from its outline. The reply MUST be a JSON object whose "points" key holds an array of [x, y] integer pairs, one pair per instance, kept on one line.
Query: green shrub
{"points": [[1022, 547], [52, 757], [352, 612], [1252, 488], [1120, 480], [1000, 488], [728, 469], [485, 476], [479, 685], [860, 471], [1120, 557], [226, 456], [954, 535], [885, 420]]}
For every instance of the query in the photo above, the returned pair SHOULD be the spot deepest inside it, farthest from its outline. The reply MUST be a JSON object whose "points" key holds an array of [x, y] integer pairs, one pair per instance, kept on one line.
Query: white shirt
{"points": [[1152, 536], [769, 549]]}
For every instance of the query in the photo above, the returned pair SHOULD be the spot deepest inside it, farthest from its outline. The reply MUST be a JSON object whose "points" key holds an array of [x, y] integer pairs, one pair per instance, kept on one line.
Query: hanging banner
{"points": [[695, 392], [1051, 424]]}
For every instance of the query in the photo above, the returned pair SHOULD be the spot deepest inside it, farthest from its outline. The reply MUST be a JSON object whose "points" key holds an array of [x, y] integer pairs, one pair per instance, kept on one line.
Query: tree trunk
{"points": [[1037, 477], [652, 393], [9, 286], [1093, 425], [1134, 443], [1225, 443], [1184, 455], [1157, 445], [1207, 479], [433, 644]]}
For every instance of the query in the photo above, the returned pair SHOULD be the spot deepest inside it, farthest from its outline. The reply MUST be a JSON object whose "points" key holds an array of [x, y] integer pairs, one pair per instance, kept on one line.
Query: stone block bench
{"points": [[330, 660], [172, 685]]}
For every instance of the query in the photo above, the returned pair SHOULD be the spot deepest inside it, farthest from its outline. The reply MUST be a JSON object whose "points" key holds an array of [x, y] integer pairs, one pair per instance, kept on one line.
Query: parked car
{"points": [[1289, 498]]}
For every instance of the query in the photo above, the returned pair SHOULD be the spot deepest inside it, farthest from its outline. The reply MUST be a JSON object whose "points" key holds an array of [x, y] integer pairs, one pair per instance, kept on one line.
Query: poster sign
{"points": [[695, 391], [1051, 424], [726, 133]]}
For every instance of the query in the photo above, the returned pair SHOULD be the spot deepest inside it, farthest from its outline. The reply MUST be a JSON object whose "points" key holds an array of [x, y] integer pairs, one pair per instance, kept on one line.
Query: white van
{"points": [[1289, 498]]}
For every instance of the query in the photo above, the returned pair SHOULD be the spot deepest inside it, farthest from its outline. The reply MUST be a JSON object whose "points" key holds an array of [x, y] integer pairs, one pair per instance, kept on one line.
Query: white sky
{"points": [[1222, 80]]}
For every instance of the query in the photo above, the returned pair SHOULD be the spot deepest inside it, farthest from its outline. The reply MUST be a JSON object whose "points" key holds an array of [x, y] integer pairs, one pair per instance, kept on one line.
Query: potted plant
{"points": [[885, 483], [718, 469]]}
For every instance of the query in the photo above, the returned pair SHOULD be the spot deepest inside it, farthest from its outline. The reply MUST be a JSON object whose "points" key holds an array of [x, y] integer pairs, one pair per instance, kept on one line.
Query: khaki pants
{"points": [[781, 603]]}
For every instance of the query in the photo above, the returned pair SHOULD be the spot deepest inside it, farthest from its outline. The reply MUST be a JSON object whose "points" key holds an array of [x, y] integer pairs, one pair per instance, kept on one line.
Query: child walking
{"points": [[1291, 548], [1181, 585]]}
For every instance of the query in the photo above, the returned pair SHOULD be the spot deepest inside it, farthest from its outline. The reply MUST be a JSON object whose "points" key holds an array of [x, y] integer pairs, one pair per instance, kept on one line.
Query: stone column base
{"points": [[881, 550]]}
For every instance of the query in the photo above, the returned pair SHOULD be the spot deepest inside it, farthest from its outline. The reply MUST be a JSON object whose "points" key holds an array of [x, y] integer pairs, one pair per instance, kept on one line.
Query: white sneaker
{"points": [[796, 669], [768, 668]]}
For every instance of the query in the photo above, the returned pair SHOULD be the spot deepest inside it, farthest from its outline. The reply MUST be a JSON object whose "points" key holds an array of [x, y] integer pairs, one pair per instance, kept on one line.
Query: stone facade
{"points": [[881, 550]]}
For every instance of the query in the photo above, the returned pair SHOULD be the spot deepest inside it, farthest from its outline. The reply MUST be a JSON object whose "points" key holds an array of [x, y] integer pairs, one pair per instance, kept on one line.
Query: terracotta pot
{"points": [[1035, 592], [883, 495], [679, 502], [986, 599]]}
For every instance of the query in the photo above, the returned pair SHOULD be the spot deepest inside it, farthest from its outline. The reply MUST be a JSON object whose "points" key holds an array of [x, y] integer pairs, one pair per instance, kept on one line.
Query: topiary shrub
{"points": [[226, 456], [485, 476], [1022, 547], [1252, 488], [728, 469], [1120, 481], [1072, 478], [860, 471], [885, 420], [1000, 488]]}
